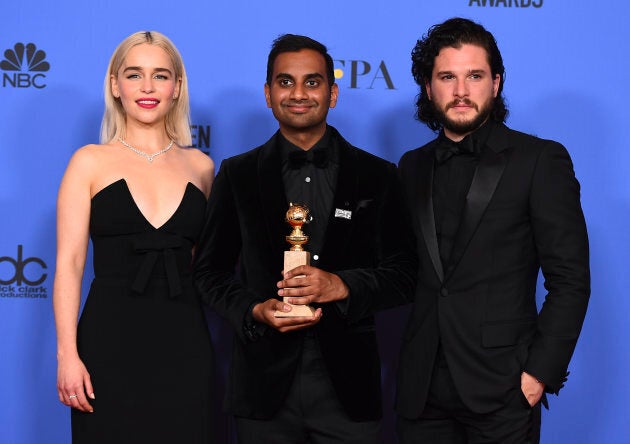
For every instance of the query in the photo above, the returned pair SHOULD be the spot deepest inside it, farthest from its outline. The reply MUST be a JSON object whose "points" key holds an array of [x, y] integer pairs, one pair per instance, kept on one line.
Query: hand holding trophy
{"points": [[297, 215]]}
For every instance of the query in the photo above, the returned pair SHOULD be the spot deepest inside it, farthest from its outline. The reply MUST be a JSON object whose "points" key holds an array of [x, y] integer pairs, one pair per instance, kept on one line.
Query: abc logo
{"points": [[25, 271]]}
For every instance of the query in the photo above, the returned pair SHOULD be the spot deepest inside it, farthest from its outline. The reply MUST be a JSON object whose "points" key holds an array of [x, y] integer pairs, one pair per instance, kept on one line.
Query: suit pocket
{"points": [[506, 333]]}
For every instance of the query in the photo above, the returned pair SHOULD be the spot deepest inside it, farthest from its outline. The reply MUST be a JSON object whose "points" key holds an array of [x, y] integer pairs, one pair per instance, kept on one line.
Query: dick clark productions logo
{"points": [[23, 66], [22, 277]]}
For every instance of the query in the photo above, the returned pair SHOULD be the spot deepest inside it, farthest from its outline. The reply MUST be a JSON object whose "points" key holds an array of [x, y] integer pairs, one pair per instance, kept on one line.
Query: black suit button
{"points": [[443, 292]]}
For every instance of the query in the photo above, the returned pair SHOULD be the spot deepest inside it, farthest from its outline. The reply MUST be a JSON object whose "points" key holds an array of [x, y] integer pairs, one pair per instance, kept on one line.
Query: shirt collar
{"points": [[473, 142], [323, 144]]}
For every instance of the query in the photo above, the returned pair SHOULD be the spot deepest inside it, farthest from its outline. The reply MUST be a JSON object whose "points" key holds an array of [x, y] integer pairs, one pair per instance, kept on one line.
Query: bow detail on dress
{"points": [[152, 245]]}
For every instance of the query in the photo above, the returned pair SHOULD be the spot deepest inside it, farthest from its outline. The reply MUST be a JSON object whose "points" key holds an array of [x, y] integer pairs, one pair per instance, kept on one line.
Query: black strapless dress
{"points": [[142, 334]]}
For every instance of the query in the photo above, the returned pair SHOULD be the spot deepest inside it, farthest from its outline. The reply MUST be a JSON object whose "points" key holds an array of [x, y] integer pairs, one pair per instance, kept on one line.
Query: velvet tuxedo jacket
{"points": [[240, 258], [522, 213]]}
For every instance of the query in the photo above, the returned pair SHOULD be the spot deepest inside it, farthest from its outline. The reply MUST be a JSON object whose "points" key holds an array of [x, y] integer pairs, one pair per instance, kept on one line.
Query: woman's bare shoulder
{"points": [[201, 166], [92, 153], [201, 162], [93, 164]]}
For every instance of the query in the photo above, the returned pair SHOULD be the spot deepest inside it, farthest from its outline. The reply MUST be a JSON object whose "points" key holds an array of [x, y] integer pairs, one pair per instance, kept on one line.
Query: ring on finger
{"points": [[72, 396]]}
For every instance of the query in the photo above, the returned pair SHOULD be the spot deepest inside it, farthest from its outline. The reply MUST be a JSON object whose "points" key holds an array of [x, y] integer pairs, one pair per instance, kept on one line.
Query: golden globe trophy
{"points": [[297, 215]]}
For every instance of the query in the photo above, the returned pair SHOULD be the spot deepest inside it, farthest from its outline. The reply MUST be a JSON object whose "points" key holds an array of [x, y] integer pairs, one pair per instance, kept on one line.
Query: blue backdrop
{"points": [[566, 65]]}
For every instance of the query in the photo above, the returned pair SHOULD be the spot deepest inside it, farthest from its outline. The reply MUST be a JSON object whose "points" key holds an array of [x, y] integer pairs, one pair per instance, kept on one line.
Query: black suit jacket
{"points": [[522, 213], [373, 253]]}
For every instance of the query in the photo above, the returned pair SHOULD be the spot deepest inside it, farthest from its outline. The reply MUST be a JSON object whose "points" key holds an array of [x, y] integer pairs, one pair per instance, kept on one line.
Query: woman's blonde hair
{"points": [[177, 120]]}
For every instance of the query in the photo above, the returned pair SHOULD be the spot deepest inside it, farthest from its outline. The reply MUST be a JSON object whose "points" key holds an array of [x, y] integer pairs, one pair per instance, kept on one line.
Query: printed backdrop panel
{"points": [[565, 81]]}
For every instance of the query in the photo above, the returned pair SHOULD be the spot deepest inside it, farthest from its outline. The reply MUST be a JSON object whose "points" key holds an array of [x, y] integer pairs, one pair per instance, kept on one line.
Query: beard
{"points": [[463, 127]]}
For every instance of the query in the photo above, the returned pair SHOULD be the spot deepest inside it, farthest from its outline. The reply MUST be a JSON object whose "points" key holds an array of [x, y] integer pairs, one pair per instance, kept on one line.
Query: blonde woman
{"points": [[137, 365]]}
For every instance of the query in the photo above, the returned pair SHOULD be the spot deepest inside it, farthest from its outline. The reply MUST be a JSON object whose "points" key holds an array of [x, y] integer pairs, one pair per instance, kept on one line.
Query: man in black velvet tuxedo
{"points": [[490, 207], [305, 379]]}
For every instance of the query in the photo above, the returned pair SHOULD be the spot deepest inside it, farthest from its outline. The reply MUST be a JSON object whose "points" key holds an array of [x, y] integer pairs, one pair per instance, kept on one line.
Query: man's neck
{"points": [[455, 137], [458, 137], [304, 139]]}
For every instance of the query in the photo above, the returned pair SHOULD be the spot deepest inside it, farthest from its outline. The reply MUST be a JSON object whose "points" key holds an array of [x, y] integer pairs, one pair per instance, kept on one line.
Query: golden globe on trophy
{"points": [[297, 215]]}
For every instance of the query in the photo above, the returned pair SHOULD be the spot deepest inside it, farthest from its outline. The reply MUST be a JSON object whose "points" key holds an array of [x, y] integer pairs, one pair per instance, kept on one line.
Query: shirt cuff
{"points": [[252, 329]]}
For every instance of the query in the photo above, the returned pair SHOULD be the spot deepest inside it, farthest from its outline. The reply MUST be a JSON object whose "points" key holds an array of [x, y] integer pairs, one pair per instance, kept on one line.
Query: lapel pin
{"points": [[344, 214]]}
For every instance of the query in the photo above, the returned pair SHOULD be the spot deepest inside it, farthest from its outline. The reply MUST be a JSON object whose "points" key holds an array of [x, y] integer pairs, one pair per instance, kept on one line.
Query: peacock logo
{"points": [[23, 66]]}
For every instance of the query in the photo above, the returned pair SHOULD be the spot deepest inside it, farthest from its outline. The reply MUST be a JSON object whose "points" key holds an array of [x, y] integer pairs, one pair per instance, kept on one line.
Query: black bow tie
{"points": [[297, 159], [447, 148]]}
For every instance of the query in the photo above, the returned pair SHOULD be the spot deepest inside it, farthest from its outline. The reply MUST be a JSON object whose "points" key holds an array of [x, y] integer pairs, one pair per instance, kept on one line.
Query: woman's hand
{"points": [[74, 385]]}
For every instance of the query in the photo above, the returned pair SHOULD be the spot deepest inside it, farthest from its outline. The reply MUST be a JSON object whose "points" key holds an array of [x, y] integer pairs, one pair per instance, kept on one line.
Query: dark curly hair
{"points": [[295, 43], [453, 33]]}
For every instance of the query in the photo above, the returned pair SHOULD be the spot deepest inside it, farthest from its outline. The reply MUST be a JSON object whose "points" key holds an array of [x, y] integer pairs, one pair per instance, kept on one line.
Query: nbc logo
{"points": [[23, 66]]}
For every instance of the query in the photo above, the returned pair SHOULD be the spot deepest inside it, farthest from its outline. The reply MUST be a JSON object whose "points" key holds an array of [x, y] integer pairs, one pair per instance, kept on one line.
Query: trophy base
{"points": [[296, 311], [294, 259]]}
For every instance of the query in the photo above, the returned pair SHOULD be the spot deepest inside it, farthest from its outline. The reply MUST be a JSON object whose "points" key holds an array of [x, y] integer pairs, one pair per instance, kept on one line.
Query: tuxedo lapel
{"points": [[424, 197], [484, 183], [272, 195]]}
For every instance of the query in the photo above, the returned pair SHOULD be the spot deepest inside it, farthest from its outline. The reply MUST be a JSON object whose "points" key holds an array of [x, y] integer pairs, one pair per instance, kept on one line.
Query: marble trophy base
{"points": [[294, 259]]}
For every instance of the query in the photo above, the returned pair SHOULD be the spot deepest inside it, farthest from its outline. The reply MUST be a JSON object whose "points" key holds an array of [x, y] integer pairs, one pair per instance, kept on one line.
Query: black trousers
{"points": [[446, 420], [311, 413]]}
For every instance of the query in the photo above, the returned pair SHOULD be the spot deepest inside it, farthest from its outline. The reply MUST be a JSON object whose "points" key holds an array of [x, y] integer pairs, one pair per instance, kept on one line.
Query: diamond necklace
{"points": [[149, 157]]}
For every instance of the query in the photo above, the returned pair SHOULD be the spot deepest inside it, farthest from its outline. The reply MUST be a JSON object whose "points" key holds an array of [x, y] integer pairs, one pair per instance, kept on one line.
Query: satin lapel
{"points": [[272, 196], [424, 190], [484, 183], [338, 229]]}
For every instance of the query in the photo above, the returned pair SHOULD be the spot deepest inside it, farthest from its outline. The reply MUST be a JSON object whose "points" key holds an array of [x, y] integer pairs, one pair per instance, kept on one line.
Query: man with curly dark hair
{"points": [[491, 207]]}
